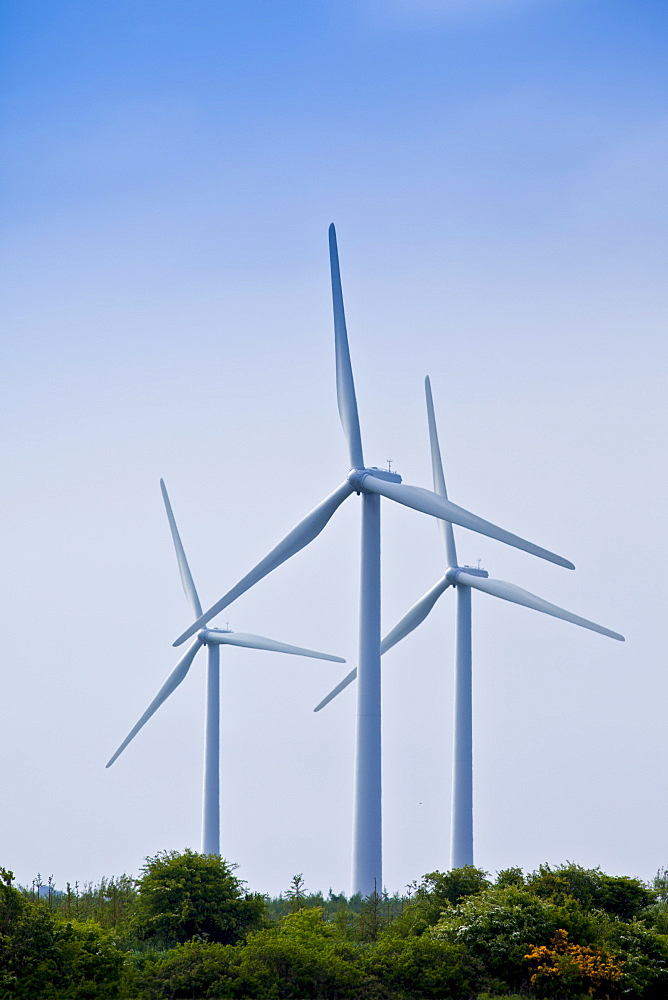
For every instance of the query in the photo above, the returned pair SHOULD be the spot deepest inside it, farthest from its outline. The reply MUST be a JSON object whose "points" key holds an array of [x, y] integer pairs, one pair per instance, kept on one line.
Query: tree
{"points": [[619, 895], [297, 893], [455, 885], [186, 895]]}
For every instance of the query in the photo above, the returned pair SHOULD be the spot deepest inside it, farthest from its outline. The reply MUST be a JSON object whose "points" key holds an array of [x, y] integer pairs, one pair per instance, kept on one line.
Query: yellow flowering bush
{"points": [[562, 967]]}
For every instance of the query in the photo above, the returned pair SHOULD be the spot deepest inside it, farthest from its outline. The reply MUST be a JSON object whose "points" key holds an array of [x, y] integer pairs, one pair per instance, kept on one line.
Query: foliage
{"points": [[660, 885], [188, 895], [300, 958], [510, 877], [453, 886], [437, 892], [296, 894], [645, 956], [621, 896], [563, 969], [193, 969], [422, 967], [46, 957], [499, 926], [188, 929], [109, 902]]}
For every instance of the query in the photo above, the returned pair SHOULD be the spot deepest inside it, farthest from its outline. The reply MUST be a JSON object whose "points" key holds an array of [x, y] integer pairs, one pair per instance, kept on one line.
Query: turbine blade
{"points": [[431, 503], [447, 534], [509, 592], [260, 642], [415, 616], [345, 386], [307, 529], [410, 621], [184, 568], [337, 690], [172, 682]]}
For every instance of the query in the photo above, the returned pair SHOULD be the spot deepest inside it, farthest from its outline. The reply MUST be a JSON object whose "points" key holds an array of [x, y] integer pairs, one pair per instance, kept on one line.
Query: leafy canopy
{"points": [[187, 895]]}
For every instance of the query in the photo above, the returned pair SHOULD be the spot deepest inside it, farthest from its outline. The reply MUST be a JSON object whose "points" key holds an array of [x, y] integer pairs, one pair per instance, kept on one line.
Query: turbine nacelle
{"points": [[356, 477], [453, 572], [213, 635]]}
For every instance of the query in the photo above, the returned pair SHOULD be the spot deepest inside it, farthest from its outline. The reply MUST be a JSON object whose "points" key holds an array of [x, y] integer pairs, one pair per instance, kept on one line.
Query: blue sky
{"points": [[496, 171]]}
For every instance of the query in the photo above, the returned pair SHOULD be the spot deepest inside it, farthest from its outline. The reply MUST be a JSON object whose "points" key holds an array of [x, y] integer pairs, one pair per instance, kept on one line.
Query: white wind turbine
{"points": [[463, 579], [213, 639], [372, 483]]}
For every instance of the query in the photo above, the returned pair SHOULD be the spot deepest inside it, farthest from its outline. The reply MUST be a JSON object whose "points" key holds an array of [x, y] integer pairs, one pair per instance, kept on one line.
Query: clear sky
{"points": [[496, 170]]}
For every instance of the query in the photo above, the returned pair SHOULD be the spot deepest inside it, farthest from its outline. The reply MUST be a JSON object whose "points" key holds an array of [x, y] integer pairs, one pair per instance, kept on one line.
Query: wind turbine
{"points": [[463, 579], [213, 639], [372, 484]]}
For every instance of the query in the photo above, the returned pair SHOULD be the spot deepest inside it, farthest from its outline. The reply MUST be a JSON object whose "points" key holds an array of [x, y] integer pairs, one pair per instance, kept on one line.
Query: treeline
{"points": [[187, 928]]}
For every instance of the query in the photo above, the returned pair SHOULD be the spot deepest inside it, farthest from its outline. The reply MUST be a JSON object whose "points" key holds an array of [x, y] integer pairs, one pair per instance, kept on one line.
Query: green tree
{"points": [[619, 895], [188, 895], [297, 893], [455, 885], [660, 885], [508, 877]]}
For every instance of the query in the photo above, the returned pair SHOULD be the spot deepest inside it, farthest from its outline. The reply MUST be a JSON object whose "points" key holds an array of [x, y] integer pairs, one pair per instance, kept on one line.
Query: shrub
{"points": [[566, 970], [190, 895]]}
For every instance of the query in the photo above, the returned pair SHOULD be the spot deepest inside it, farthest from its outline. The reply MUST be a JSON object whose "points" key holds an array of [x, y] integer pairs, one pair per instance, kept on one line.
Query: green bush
{"points": [[422, 967], [186, 895], [621, 896], [645, 957], [436, 892], [42, 956], [190, 970], [299, 958], [499, 926]]}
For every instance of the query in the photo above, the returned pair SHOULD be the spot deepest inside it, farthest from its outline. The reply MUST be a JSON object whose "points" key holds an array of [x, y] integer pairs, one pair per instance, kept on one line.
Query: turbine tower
{"points": [[463, 579], [213, 639], [372, 484]]}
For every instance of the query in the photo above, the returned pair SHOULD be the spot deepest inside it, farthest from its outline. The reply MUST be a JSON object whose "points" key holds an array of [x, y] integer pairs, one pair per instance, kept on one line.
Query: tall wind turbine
{"points": [[213, 639], [372, 484], [463, 579]]}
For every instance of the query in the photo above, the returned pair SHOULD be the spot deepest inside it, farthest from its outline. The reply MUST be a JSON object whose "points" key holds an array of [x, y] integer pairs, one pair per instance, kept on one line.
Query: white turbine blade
{"points": [[337, 690], [415, 616], [509, 592], [172, 682], [345, 386], [260, 642], [307, 529], [431, 503], [410, 621], [447, 534], [184, 568]]}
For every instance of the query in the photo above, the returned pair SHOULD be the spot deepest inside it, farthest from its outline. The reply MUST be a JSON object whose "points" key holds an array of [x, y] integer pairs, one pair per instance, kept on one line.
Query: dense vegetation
{"points": [[188, 929]]}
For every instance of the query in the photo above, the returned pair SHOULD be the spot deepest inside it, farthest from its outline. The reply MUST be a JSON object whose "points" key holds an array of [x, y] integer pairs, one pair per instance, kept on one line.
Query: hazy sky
{"points": [[496, 170]]}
